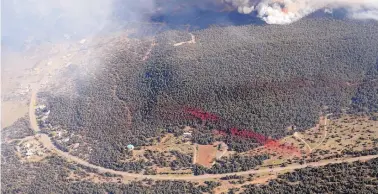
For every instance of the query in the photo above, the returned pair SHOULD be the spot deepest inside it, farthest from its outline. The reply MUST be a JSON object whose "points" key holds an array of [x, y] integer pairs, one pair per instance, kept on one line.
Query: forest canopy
{"points": [[259, 78]]}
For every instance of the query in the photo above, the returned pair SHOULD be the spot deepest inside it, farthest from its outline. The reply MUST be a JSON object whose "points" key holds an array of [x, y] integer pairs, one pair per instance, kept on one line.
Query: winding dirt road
{"points": [[321, 141], [307, 145], [325, 132], [46, 141]]}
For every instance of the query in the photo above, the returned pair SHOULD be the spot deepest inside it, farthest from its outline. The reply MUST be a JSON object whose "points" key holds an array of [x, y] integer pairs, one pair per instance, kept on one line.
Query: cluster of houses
{"points": [[27, 150]]}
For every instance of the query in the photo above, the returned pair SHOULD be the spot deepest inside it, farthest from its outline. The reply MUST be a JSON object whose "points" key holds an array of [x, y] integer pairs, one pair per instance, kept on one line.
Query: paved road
{"points": [[46, 141]]}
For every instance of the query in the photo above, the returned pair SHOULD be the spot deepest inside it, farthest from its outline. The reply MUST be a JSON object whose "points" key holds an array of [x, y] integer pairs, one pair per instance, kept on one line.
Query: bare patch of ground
{"points": [[206, 155]]}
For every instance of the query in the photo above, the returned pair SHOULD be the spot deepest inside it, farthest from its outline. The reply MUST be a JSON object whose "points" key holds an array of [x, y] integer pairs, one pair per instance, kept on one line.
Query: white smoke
{"points": [[288, 11], [373, 14], [243, 6], [49, 20]]}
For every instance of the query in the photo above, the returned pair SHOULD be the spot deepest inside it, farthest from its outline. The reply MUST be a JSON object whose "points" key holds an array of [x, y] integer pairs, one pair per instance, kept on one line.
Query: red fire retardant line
{"points": [[249, 134], [204, 116], [266, 141]]}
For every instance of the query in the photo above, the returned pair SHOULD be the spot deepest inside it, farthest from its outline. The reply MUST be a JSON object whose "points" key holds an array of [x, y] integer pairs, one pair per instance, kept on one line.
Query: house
{"points": [[187, 135]]}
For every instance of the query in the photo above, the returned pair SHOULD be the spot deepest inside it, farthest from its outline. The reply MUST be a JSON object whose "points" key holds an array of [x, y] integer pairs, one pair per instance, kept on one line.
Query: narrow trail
{"points": [[321, 141], [192, 41], [147, 54], [307, 145], [195, 153], [46, 141], [325, 132], [225, 148]]}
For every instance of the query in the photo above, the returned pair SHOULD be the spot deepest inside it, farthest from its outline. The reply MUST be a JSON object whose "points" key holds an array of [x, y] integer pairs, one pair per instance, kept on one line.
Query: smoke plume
{"points": [[288, 11]]}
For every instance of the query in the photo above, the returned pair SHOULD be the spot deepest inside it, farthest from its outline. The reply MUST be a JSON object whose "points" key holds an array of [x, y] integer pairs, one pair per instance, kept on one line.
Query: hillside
{"points": [[260, 78]]}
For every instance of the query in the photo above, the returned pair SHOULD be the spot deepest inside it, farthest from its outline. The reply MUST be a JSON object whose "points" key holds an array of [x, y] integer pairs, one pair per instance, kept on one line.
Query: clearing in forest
{"points": [[206, 155]]}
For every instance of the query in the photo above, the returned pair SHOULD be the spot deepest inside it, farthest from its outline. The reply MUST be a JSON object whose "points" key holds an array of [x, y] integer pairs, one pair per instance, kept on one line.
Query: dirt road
{"points": [[46, 141], [145, 57], [32, 118], [325, 132], [192, 41], [297, 136], [321, 141], [195, 153]]}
